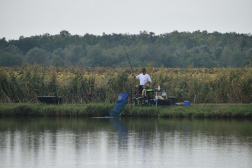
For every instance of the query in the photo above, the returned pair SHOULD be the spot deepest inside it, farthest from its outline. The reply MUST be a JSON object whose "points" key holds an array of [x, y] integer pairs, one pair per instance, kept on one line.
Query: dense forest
{"points": [[176, 49]]}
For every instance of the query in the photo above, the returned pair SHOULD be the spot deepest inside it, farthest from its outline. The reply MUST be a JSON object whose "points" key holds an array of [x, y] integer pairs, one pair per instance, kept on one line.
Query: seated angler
{"points": [[144, 79]]}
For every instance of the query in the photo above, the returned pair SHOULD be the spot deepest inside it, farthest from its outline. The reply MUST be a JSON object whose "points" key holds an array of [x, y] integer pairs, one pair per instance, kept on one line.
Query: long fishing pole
{"points": [[131, 72], [127, 57]]}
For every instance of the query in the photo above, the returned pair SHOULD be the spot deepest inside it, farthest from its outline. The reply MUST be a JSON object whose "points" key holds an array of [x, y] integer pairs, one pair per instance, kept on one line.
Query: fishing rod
{"points": [[127, 57], [131, 72]]}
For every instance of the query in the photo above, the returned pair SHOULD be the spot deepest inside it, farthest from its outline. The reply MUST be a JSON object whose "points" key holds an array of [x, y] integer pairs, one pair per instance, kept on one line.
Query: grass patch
{"points": [[103, 109], [69, 110]]}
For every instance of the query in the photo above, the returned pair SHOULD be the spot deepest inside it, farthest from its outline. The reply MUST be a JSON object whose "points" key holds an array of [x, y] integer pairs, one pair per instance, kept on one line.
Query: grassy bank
{"points": [[103, 109], [71, 110]]}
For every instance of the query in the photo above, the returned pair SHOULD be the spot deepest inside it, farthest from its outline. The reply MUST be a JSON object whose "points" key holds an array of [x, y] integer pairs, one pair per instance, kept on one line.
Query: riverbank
{"points": [[103, 109]]}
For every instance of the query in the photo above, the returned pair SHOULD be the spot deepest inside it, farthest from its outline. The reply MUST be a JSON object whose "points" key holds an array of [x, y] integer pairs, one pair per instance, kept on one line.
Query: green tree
{"points": [[38, 55], [225, 56], [218, 52], [65, 33], [250, 52], [203, 59], [57, 61], [96, 55], [11, 49], [74, 53], [8, 59], [3, 43], [85, 62], [60, 52], [238, 59], [174, 49]]}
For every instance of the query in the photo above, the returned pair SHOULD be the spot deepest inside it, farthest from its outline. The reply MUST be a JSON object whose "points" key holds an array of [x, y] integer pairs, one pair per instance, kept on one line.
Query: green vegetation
{"points": [[173, 50], [103, 109], [90, 110], [218, 85]]}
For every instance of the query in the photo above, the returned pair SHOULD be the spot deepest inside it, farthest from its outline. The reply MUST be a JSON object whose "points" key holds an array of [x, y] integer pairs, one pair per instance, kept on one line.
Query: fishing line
{"points": [[127, 57], [130, 68]]}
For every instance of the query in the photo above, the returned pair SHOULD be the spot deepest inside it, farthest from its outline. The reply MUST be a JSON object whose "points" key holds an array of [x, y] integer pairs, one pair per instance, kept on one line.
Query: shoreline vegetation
{"points": [[103, 109], [98, 84]]}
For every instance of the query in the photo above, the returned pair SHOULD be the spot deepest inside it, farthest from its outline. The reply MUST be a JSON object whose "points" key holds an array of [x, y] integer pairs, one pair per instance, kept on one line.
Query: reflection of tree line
{"points": [[38, 124], [31, 133]]}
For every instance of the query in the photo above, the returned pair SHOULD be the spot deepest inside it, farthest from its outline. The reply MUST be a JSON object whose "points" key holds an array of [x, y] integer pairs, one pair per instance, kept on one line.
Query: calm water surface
{"points": [[126, 142]]}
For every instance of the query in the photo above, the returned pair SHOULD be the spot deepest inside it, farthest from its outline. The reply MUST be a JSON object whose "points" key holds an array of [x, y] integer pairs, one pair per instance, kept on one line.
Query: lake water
{"points": [[125, 142]]}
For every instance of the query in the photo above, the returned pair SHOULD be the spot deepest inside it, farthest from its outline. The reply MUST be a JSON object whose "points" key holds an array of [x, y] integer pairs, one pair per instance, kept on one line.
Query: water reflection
{"points": [[114, 142], [122, 132]]}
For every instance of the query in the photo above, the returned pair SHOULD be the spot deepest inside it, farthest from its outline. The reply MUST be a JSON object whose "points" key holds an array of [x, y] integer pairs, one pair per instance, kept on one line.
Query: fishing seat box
{"points": [[166, 102], [50, 99], [173, 100]]}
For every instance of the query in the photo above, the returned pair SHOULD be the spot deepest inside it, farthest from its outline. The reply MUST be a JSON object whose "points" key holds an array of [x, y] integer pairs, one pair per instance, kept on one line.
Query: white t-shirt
{"points": [[143, 78]]}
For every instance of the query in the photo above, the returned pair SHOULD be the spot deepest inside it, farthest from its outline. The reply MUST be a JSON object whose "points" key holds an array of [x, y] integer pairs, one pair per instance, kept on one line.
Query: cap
{"points": [[143, 69]]}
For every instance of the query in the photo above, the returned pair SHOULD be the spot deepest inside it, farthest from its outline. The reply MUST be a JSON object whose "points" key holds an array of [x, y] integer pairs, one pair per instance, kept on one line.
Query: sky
{"points": [[37, 17]]}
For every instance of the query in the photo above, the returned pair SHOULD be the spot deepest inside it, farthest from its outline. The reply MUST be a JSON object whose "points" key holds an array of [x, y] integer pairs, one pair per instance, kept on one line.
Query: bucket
{"points": [[187, 103]]}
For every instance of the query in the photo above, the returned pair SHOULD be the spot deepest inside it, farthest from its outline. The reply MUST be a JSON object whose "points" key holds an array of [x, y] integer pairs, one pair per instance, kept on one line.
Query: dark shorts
{"points": [[141, 88]]}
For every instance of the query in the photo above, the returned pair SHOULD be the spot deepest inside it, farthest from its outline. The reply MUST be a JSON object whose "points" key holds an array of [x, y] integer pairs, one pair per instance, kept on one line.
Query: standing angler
{"points": [[144, 79]]}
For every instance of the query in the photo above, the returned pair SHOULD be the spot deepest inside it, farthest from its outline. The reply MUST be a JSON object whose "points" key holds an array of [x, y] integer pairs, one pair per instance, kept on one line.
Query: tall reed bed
{"points": [[85, 85]]}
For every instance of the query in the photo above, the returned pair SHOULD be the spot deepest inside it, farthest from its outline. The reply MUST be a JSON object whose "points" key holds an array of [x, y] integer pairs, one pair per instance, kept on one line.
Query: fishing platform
{"points": [[150, 97]]}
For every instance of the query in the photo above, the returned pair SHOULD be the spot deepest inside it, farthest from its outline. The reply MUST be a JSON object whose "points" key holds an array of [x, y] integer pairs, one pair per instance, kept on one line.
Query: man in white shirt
{"points": [[144, 79]]}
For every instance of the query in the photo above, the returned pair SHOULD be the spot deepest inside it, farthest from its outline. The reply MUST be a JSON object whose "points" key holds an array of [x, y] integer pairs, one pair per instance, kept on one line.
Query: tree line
{"points": [[175, 49]]}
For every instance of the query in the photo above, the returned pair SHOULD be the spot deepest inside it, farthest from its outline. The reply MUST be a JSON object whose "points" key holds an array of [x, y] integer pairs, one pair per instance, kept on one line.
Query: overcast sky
{"points": [[35, 17]]}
